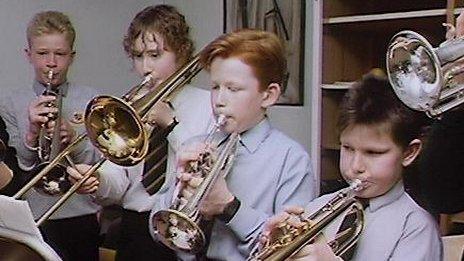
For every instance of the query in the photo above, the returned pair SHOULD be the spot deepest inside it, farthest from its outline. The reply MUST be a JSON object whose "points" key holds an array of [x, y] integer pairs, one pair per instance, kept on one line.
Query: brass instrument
{"points": [[114, 125], [289, 240], [426, 78], [56, 181], [178, 227]]}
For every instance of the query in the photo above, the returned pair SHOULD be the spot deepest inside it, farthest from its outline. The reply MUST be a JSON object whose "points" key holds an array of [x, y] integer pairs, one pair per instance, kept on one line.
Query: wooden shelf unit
{"points": [[355, 36]]}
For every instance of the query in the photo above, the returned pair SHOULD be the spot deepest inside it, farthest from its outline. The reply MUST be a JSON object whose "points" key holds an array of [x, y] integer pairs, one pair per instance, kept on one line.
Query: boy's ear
{"points": [[270, 95], [27, 53], [411, 152]]}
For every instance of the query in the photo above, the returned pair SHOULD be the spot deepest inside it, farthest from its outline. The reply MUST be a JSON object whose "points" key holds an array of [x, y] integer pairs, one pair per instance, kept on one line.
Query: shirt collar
{"points": [[252, 138], [387, 198], [39, 88]]}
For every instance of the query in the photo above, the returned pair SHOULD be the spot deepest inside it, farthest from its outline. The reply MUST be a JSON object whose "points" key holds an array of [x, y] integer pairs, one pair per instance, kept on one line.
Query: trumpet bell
{"points": [[116, 130], [178, 232], [414, 70]]}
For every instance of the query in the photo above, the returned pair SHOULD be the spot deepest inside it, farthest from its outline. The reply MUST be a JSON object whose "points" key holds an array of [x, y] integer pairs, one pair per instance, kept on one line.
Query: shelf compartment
{"points": [[337, 8]]}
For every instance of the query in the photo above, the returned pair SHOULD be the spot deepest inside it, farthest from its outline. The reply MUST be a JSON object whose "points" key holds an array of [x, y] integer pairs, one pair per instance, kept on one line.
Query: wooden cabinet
{"points": [[355, 36]]}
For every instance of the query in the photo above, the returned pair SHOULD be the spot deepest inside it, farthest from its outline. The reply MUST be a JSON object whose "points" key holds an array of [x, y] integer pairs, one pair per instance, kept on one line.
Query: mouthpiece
{"points": [[221, 120], [50, 75], [146, 80], [356, 185]]}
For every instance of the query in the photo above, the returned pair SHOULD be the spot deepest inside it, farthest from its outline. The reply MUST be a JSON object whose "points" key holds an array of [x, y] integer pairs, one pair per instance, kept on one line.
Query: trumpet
{"points": [[56, 181], [426, 78], [289, 240], [116, 129], [178, 227]]}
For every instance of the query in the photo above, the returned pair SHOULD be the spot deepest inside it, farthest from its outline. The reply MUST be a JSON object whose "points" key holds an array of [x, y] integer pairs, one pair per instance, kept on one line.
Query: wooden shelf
{"points": [[338, 8], [337, 86], [355, 37], [388, 16]]}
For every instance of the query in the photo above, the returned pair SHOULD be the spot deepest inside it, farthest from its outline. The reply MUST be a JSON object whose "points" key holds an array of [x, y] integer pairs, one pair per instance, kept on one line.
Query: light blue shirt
{"points": [[270, 171], [14, 110], [395, 228]]}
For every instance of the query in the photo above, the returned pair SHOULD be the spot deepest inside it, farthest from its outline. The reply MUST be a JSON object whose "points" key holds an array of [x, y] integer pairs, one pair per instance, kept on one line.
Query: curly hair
{"points": [[166, 21], [49, 22]]}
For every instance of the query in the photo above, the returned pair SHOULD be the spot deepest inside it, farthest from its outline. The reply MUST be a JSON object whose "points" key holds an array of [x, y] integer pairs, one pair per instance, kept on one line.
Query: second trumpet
{"points": [[178, 227]]}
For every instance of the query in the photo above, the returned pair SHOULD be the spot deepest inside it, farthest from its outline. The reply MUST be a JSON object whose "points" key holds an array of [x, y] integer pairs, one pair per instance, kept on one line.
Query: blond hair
{"points": [[49, 22]]}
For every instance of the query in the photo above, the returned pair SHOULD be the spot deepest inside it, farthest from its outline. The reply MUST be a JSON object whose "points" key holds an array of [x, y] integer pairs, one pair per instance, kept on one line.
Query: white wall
{"points": [[101, 62]]}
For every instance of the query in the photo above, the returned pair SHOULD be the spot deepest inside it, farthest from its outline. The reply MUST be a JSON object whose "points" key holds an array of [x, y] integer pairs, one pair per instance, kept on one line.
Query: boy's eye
{"points": [[233, 88], [154, 55], [375, 152], [42, 53], [347, 148], [215, 87]]}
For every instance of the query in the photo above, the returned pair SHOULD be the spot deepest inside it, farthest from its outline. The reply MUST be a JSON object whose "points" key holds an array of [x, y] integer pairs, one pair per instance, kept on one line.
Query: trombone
{"points": [[290, 240], [115, 127]]}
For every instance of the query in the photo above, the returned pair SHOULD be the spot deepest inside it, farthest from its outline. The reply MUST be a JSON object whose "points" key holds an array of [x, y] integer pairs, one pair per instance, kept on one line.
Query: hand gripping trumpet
{"points": [[289, 240], [178, 227], [56, 181], [116, 128]]}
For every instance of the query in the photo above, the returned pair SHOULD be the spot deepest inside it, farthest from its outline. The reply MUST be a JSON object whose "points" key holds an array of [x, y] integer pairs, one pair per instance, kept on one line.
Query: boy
{"points": [[73, 230], [270, 170], [380, 137], [158, 43]]}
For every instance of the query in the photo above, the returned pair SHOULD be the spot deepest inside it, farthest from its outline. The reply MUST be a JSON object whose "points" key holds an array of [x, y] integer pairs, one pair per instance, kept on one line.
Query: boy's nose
{"points": [[51, 61], [146, 66], [357, 164], [220, 99]]}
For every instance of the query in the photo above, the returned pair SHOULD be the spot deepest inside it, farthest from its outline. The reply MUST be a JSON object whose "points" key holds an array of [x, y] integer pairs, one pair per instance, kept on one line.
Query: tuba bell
{"points": [[289, 240], [426, 78], [179, 226]]}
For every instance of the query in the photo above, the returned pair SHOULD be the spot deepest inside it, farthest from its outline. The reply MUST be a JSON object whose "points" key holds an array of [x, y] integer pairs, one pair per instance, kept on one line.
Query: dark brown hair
{"points": [[373, 101], [166, 21]]}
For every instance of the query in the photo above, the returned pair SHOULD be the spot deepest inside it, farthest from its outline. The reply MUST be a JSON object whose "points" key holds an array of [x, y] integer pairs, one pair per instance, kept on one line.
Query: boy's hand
{"points": [[90, 185], [217, 199], [160, 114], [219, 195], [38, 115], [271, 230], [316, 252]]}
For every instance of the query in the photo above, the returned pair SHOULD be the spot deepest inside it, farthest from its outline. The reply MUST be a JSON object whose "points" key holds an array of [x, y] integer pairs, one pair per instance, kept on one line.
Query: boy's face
{"points": [[235, 93], [152, 57], [50, 52], [369, 154]]}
